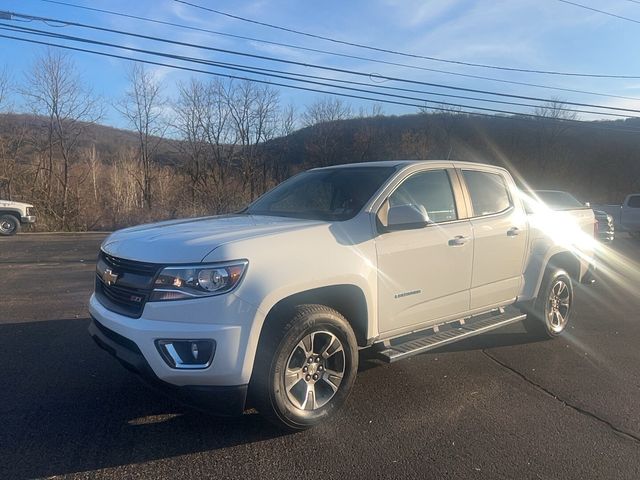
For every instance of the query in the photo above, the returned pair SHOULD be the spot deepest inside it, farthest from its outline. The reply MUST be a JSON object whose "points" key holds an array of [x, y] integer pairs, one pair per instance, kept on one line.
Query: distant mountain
{"points": [[594, 160]]}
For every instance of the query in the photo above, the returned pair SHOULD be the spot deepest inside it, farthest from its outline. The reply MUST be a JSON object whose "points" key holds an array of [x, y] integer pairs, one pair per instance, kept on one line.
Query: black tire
{"points": [[9, 225], [287, 403], [551, 311]]}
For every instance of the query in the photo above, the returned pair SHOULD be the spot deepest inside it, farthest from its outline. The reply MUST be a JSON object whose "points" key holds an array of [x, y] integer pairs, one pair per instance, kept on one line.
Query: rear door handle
{"points": [[458, 240], [513, 231]]}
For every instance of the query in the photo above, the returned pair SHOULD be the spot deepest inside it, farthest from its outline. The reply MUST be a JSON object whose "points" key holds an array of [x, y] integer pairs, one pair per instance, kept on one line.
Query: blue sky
{"points": [[538, 34]]}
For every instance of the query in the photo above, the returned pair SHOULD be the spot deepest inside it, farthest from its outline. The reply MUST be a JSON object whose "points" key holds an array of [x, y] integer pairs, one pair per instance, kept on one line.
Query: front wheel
{"points": [[552, 309], [9, 225], [304, 368]]}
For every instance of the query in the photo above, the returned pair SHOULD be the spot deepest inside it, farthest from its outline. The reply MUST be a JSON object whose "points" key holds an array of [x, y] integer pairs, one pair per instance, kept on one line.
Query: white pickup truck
{"points": [[13, 215], [269, 307], [626, 217]]}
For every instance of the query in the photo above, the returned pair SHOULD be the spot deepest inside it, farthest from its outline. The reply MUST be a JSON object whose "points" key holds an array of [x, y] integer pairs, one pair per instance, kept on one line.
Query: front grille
{"points": [[140, 268], [128, 295]]}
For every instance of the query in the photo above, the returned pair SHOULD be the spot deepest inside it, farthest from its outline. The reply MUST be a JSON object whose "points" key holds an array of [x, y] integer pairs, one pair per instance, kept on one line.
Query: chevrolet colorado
{"points": [[269, 307]]}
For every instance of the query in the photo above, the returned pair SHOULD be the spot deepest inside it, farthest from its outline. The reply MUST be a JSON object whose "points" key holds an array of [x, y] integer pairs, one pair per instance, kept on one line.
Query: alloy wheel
{"points": [[315, 370]]}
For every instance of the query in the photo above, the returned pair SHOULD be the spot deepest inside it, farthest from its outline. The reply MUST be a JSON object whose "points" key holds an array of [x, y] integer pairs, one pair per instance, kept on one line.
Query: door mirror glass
{"points": [[407, 217]]}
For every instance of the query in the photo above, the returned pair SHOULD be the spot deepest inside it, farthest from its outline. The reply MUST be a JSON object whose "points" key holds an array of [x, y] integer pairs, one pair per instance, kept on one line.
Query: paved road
{"points": [[497, 406]]}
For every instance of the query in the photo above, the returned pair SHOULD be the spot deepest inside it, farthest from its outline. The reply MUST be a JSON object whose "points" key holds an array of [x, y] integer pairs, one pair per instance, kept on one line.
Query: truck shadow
{"points": [[68, 407]]}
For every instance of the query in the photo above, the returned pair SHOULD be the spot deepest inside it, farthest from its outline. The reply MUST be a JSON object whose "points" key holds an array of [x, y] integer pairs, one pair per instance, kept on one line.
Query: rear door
{"points": [[424, 274], [500, 238]]}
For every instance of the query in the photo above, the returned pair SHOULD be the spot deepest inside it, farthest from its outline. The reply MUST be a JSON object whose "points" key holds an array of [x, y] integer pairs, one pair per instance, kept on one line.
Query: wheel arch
{"points": [[568, 262], [540, 264], [347, 299], [15, 213]]}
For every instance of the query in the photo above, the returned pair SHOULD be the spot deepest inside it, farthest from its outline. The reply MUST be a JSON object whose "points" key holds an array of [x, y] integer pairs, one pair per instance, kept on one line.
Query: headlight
{"points": [[179, 283]]}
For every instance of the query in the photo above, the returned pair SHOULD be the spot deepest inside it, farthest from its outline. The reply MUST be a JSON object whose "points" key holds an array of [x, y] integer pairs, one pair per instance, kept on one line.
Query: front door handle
{"points": [[513, 231], [458, 240]]}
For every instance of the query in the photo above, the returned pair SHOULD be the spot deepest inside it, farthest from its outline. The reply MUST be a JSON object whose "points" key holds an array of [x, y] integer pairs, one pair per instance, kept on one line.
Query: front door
{"points": [[424, 274]]}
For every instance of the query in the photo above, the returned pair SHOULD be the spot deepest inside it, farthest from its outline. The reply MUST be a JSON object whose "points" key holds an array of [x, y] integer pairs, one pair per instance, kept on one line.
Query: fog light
{"points": [[187, 354]]}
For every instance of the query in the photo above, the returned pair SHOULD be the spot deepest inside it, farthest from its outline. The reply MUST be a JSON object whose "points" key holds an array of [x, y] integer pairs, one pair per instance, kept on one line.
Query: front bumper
{"points": [[28, 219], [221, 400], [226, 319]]}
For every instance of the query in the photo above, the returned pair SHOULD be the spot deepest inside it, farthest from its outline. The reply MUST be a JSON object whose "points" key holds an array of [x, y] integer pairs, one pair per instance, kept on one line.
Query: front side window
{"points": [[489, 193], [430, 190]]}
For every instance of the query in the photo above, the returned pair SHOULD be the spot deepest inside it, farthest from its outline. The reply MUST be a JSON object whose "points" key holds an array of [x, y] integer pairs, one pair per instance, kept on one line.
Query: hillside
{"points": [[598, 162]]}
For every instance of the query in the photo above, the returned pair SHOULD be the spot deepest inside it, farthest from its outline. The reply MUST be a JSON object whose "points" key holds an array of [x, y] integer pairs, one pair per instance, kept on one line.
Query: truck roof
{"points": [[405, 163]]}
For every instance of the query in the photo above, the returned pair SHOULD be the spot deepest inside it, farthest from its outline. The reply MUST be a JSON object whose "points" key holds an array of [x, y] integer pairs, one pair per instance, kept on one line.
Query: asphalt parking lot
{"points": [[497, 406]]}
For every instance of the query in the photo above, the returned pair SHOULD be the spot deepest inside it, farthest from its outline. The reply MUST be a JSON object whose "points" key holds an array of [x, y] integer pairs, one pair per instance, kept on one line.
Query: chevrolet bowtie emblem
{"points": [[109, 277]]}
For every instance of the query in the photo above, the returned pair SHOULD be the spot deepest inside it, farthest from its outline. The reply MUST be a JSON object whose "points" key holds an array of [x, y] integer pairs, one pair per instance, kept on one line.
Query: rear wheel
{"points": [[9, 225], [552, 309], [305, 368]]}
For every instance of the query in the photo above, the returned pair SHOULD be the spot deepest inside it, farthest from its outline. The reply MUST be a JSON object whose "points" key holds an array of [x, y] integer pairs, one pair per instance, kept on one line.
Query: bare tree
{"points": [[142, 106], [288, 122], [253, 110], [376, 110], [323, 118], [552, 124], [191, 111], [203, 121], [7, 156], [5, 89], [326, 110], [54, 90]]}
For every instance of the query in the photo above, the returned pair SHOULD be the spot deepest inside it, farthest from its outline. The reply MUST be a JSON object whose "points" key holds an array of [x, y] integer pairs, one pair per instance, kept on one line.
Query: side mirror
{"points": [[407, 217]]}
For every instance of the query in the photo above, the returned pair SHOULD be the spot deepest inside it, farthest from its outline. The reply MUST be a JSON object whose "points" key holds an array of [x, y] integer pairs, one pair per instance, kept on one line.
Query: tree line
{"points": [[220, 143]]}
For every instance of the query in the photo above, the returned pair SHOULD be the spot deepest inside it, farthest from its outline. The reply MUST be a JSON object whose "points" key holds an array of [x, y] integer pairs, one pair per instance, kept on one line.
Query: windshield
{"points": [[559, 200], [326, 194]]}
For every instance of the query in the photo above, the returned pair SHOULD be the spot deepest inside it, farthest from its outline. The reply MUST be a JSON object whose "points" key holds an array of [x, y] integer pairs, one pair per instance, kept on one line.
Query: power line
{"points": [[404, 54], [338, 54], [234, 77], [304, 64], [280, 74], [579, 5], [516, 116]]}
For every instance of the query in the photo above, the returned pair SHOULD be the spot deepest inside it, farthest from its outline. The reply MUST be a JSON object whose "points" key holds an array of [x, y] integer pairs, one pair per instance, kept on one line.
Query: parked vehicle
{"points": [[626, 217], [269, 307], [559, 200], [13, 215]]}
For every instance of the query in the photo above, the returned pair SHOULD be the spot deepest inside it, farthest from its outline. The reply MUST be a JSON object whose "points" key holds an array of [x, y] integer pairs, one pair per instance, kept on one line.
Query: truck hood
{"points": [[191, 240], [8, 204]]}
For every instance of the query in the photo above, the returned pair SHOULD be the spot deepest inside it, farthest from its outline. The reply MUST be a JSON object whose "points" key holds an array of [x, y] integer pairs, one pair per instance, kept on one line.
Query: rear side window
{"points": [[489, 193], [634, 202], [431, 190]]}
